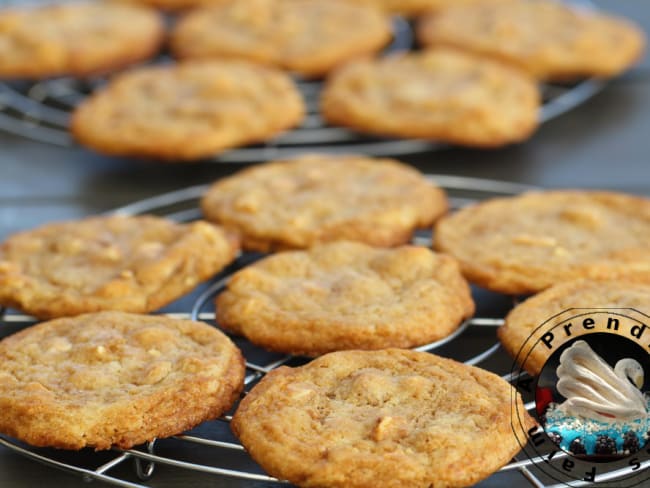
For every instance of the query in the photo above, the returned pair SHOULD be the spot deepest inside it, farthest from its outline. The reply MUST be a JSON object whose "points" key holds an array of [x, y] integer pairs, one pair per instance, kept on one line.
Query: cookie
{"points": [[413, 8], [441, 94], [309, 37], [320, 198], [527, 243], [389, 418], [187, 111], [548, 39], [114, 379], [132, 264], [346, 295], [526, 319], [78, 39]]}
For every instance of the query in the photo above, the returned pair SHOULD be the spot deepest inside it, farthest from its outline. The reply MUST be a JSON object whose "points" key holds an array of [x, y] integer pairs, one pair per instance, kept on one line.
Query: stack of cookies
{"points": [[474, 83], [572, 249], [102, 374], [340, 283], [349, 281], [343, 284]]}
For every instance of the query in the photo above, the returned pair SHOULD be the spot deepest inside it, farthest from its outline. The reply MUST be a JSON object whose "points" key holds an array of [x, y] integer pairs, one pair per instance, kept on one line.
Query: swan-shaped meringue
{"points": [[594, 390]]}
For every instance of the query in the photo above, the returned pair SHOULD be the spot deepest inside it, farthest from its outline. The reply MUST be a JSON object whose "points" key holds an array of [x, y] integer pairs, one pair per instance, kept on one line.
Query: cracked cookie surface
{"points": [[526, 324], [546, 38], [187, 111], [389, 418], [320, 198], [527, 243], [78, 39], [413, 8], [346, 295], [309, 37], [114, 379], [134, 264], [440, 94]]}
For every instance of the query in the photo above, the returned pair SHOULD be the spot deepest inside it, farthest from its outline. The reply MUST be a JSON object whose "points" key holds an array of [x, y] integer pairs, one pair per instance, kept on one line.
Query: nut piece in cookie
{"points": [[530, 320], [114, 379], [547, 38], [389, 418], [133, 264], [187, 111], [527, 243], [309, 37], [442, 94], [346, 295], [78, 39], [319, 198]]}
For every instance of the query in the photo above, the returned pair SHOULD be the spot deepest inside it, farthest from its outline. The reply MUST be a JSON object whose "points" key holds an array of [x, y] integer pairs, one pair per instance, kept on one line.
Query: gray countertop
{"points": [[604, 143]]}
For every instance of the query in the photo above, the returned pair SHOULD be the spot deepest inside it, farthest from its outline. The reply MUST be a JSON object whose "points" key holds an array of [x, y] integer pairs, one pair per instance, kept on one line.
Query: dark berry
{"points": [[577, 447], [555, 437], [631, 442], [605, 445]]}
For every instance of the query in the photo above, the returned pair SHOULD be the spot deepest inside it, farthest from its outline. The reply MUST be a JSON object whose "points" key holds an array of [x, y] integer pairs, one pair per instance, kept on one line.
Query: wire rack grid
{"points": [[211, 449], [40, 110]]}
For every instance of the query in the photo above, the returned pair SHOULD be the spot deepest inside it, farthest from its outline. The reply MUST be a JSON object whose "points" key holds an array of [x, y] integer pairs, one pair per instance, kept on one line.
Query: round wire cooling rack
{"points": [[41, 111], [211, 449]]}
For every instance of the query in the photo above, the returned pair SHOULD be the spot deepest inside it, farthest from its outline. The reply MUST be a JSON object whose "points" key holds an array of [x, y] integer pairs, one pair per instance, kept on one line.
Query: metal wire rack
{"points": [[41, 110], [211, 448]]}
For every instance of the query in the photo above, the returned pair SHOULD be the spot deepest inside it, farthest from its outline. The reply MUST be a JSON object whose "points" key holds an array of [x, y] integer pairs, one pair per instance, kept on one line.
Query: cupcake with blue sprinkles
{"points": [[583, 436], [604, 414]]}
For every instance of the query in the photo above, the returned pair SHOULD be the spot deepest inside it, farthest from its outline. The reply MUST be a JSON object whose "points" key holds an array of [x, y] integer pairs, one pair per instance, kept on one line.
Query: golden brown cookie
{"points": [[133, 264], [440, 94], [390, 418], [548, 39], [346, 295], [321, 198], [529, 321], [77, 39], [188, 111], [527, 243], [114, 379], [412, 8], [309, 37]]}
